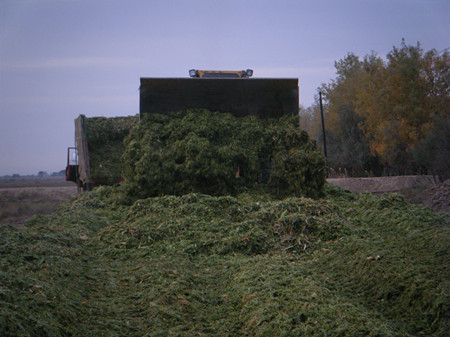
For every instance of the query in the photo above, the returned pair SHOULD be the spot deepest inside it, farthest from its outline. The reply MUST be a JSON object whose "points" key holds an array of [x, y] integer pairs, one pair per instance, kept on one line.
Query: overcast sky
{"points": [[62, 58]]}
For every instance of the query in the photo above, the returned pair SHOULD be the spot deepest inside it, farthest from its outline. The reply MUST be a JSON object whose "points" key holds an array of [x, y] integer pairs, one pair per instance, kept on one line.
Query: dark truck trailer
{"points": [[264, 98], [96, 157]]}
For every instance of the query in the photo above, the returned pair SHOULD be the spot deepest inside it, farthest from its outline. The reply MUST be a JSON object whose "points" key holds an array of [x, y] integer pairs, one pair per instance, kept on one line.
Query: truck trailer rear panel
{"points": [[264, 98]]}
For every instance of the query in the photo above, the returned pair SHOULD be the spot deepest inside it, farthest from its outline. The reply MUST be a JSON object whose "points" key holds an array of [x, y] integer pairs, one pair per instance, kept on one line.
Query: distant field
{"points": [[21, 198], [35, 182]]}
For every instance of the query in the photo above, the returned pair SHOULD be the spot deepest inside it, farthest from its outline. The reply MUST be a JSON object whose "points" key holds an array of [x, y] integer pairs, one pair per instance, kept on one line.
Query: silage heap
{"points": [[199, 265], [200, 151]]}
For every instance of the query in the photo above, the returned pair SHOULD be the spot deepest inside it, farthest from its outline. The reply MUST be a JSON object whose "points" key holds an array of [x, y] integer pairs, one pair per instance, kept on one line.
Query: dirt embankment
{"points": [[436, 197], [423, 190]]}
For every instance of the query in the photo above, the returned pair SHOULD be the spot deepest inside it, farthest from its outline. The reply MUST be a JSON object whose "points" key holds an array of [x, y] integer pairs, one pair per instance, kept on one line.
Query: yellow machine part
{"points": [[222, 73]]}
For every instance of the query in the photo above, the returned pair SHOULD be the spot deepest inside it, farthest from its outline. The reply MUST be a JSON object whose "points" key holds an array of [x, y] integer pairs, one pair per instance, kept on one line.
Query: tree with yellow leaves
{"points": [[390, 112]]}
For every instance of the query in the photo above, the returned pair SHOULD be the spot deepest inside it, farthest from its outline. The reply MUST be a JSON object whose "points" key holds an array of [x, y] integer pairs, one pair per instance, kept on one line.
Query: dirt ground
{"points": [[21, 198], [436, 197], [423, 190]]}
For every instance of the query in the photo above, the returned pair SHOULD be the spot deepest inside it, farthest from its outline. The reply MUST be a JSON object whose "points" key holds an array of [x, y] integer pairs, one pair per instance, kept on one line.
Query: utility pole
{"points": [[323, 126]]}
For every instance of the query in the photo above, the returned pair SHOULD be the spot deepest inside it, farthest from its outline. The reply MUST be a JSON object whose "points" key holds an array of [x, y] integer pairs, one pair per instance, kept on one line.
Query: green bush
{"points": [[217, 154]]}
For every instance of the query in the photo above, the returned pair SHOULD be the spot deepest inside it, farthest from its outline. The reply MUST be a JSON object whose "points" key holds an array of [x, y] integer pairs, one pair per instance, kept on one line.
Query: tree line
{"points": [[386, 116]]}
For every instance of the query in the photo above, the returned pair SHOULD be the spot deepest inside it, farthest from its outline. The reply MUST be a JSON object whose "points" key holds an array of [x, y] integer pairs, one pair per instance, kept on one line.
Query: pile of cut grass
{"points": [[200, 151], [199, 265], [46, 272]]}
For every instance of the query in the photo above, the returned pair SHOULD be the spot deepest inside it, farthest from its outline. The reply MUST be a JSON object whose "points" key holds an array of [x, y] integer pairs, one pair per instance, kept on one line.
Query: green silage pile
{"points": [[249, 265], [199, 151], [105, 145]]}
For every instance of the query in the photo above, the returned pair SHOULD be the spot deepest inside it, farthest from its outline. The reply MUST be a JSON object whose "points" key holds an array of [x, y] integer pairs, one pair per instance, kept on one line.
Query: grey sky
{"points": [[62, 58]]}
